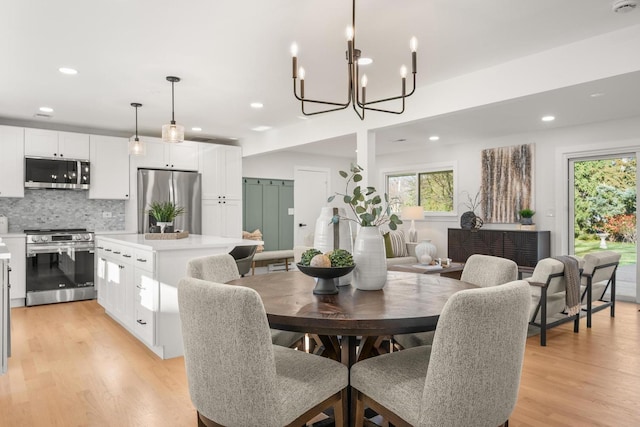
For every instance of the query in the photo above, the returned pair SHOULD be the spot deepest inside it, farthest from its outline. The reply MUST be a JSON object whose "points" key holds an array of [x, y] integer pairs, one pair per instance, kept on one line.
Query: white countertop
{"points": [[194, 241], [4, 252]]}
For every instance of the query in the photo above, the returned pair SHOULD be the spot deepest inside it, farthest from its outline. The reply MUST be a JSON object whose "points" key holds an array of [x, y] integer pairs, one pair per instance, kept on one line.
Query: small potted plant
{"points": [[526, 216], [164, 213]]}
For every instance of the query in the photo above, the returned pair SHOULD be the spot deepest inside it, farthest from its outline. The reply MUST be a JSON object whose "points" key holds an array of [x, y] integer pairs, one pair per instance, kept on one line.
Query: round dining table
{"points": [[409, 302]]}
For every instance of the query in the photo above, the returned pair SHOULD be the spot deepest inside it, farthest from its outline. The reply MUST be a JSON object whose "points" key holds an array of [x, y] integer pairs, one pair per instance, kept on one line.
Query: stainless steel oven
{"points": [[59, 266]]}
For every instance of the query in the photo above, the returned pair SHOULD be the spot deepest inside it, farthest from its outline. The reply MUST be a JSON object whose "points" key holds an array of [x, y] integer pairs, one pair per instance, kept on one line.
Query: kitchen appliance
{"points": [[59, 265], [65, 174], [180, 187]]}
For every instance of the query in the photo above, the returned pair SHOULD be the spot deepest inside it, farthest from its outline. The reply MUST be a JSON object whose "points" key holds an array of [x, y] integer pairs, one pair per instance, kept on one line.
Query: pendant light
{"points": [[172, 132], [137, 147]]}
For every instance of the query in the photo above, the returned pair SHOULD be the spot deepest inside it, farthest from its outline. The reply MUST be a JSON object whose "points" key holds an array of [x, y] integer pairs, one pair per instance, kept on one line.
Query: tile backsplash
{"points": [[62, 209]]}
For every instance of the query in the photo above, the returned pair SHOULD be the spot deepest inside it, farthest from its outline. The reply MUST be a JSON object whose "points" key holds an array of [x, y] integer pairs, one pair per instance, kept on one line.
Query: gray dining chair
{"points": [[222, 268], [470, 376], [481, 270], [267, 385]]}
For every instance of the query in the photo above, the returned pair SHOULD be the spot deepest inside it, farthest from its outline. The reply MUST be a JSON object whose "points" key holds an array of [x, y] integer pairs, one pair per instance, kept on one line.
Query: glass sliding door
{"points": [[602, 206]]}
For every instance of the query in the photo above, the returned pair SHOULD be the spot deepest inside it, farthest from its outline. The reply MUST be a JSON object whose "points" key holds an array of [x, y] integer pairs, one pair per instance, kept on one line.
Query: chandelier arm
{"points": [[323, 111], [393, 98], [360, 115]]}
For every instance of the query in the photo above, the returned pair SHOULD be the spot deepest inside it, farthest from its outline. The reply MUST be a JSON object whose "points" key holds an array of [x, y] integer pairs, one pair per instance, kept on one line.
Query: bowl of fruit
{"points": [[326, 268]]}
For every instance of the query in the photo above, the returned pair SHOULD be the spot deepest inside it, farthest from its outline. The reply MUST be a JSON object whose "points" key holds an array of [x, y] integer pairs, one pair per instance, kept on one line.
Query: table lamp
{"points": [[413, 213]]}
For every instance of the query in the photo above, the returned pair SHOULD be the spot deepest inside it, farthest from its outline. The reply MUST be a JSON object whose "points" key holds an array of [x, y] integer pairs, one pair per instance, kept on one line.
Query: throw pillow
{"points": [[255, 235], [388, 249], [398, 243]]}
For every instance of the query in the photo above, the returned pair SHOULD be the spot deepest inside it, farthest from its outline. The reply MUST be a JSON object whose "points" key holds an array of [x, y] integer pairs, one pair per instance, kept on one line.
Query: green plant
{"points": [[340, 258], [527, 213], [308, 255], [164, 211], [365, 203]]}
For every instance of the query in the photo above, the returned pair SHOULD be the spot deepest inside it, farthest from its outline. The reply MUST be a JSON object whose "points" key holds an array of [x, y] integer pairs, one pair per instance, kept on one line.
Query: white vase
{"points": [[426, 251], [370, 273], [163, 225], [325, 231]]}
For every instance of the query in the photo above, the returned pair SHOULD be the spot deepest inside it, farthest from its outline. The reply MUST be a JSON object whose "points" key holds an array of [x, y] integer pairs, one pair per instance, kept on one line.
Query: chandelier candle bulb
{"points": [[294, 59]]}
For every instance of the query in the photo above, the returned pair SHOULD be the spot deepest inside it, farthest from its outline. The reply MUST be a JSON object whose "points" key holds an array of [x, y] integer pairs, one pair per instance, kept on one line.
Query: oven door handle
{"points": [[31, 252]]}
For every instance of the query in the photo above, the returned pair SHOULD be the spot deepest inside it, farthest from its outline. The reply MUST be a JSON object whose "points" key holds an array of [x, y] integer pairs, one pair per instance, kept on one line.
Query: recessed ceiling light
{"points": [[68, 71], [256, 105], [596, 95], [261, 128], [548, 118], [434, 138], [196, 129], [46, 109], [365, 61]]}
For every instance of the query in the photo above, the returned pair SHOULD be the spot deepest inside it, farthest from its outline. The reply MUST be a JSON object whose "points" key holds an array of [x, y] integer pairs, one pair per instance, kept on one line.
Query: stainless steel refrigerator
{"points": [[182, 188]]}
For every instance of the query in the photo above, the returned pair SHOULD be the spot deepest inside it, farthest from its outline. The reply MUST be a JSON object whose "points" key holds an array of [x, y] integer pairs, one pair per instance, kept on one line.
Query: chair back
{"points": [[242, 252], [219, 268], [551, 270], [229, 383], [476, 358], [593, 261], [485, 270]]}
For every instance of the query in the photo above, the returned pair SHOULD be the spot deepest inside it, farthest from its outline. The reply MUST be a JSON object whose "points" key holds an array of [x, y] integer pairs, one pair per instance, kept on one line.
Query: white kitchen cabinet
{"points": [[109, 157], [163, 155], [16, 244], [114, 279], [222, 218], [221, 168], [12, 161], [49, 143]]}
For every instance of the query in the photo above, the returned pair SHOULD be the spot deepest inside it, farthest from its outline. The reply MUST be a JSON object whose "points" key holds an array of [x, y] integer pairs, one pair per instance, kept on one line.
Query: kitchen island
{"points": [[137, 279]]}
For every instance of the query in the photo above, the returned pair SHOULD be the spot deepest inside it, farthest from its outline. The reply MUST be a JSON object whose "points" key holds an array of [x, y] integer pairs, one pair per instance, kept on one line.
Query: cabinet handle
{"points": [[126, 195], [103, 259], [141, 260], [55, 154], [126, 256], [107, 250], [140, 287], [100, 247], [61, 155], [117, 252], [121, 266], [142, 322]]}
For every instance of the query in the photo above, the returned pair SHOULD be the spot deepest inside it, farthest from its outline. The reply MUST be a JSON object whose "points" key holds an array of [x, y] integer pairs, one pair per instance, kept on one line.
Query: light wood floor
{"points": [[74, 366]]}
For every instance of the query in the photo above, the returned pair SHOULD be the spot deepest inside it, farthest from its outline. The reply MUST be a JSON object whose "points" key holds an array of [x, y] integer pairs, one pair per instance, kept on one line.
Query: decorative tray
{"points": [[166, 236]]}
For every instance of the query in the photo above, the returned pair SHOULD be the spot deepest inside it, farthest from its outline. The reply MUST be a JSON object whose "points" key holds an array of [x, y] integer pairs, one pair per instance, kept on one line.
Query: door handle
{"points": [[302, 225]]}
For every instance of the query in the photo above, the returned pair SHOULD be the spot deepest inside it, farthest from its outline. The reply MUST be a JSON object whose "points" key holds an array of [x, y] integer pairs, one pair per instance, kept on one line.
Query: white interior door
{"points": [[310, 193]]}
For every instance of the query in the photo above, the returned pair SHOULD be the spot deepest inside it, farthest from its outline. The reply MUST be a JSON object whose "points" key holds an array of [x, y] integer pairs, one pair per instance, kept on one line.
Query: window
{"points": [[429, 186]]}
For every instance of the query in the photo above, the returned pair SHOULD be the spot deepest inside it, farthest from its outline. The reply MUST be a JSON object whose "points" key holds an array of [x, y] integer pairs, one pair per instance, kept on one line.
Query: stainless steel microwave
{"points": [[66, 174]]}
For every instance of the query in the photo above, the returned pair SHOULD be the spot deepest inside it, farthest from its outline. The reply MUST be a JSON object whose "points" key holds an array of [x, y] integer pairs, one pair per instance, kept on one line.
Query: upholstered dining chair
{"points": [[548, 297], [243, 255], [269, 385], [481, 270], [598, 276], [470, 375], [222, 268]]}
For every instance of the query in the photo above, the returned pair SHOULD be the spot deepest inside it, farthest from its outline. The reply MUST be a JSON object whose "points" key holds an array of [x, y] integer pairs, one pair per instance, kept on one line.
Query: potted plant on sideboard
{"points": [[526, 216]]}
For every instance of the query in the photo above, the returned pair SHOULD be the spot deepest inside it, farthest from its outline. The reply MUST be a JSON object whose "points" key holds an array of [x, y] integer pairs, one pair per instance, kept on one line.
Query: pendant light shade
{"points": [[137, 147], [172, 132]]}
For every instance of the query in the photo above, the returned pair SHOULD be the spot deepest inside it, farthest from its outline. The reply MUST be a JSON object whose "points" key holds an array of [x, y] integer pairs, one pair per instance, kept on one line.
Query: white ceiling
{"points": [[231, 53]]}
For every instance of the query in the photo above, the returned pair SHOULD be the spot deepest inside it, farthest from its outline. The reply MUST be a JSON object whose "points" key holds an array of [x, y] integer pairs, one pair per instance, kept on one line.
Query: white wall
{"points": [[280, 165], [551, 151]]}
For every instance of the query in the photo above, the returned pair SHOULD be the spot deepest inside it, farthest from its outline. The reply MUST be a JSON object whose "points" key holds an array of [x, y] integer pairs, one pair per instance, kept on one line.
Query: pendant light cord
{"points": [[136, 124], [173, 119]]}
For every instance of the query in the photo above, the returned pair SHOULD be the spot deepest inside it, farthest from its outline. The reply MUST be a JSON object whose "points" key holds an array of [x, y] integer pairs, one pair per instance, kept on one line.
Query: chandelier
{"points": [[357, 93]]}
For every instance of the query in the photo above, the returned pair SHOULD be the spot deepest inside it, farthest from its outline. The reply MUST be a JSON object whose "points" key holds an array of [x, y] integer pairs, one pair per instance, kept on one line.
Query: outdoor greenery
{"points": [[431, 190], [627, 250], [605, 200]]}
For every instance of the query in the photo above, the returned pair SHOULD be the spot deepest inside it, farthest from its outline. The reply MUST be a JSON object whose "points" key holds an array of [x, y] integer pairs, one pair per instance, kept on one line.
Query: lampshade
{"points": [[412, 212], [137, 147], [172, 133]]}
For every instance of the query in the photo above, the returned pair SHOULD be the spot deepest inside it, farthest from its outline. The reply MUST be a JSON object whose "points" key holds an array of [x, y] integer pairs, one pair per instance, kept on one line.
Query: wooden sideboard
{"points": [[526, 248]]}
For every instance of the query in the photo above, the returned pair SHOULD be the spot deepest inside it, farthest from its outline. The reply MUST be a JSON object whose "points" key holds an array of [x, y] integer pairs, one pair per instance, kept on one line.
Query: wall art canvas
{"points": [[507, 182]]}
